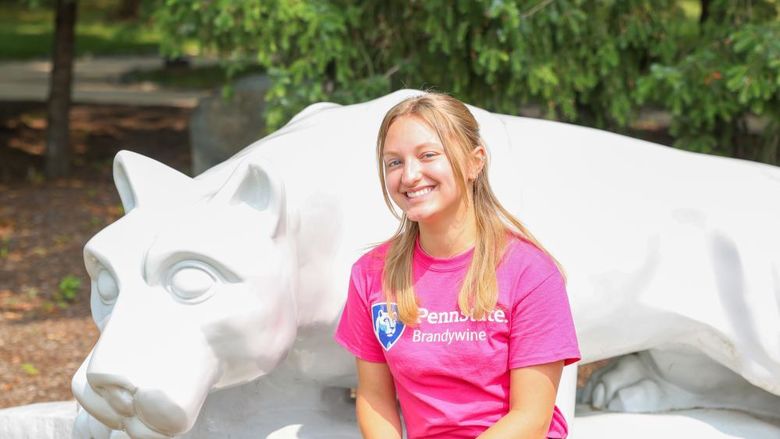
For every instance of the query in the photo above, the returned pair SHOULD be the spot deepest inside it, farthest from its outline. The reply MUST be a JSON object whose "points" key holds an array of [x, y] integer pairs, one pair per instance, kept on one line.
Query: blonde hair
{"points": [[458, 132]]}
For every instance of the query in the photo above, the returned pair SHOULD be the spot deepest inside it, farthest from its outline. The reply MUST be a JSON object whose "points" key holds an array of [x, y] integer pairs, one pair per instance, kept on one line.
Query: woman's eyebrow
{"points": [[424, 144], [418, 147]]}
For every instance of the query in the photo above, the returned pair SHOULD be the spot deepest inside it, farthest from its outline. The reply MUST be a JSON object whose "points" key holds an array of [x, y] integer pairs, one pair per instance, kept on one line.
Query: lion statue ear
{"points": [[257, 186], [142, 181]]}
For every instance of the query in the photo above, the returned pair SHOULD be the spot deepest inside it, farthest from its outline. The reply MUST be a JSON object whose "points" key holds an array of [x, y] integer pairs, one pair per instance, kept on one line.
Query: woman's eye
{"points": [[393, 163], [429, 155]]}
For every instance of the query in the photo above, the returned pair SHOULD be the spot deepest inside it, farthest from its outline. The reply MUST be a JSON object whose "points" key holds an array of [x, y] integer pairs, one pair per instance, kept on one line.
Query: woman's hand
{"points": [[532, 392], [377, 410]]}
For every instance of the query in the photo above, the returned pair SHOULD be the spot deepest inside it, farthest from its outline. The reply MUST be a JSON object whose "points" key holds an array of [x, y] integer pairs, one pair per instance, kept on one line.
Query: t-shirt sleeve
{"points": [[542, 328], [355, 330]]}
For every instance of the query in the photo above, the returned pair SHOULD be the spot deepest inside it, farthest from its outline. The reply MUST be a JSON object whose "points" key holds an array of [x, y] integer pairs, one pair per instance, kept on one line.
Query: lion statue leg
{"points": [[674, 378]]}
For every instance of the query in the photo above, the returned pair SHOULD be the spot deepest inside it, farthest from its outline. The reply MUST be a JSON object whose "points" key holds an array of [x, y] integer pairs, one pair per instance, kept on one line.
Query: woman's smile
{"points": [[419, 193]]}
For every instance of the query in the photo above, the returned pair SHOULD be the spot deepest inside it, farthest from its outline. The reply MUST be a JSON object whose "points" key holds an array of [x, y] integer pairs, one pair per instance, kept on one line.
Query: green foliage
{"points": [[729, 73], [68, 290], [584, 61]]}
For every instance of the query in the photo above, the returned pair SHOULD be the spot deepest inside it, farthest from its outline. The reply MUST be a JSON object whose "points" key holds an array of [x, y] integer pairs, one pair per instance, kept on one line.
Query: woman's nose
{"points": [[411, 172]]}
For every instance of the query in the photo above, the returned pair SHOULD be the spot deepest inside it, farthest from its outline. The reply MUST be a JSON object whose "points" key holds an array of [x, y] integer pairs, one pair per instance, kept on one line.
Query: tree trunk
{"points": [[58, 123], [705, 11]]}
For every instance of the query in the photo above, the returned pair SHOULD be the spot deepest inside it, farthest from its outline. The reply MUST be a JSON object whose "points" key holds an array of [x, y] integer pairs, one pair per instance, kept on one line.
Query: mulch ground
{"points": [[45, 325]]}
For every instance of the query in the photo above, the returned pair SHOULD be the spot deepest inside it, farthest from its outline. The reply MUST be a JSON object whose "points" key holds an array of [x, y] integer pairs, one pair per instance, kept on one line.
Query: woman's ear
{"points": [[477, 162]]}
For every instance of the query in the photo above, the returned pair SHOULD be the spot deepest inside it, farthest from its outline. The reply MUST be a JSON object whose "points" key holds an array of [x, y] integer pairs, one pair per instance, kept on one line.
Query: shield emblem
{"points": [[387, 329]]}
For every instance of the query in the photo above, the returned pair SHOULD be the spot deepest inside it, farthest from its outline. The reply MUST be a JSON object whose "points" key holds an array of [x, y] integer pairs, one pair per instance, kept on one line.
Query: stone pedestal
{"points": [[221, 127], [54, 420], [696, 423], [48, 420]]}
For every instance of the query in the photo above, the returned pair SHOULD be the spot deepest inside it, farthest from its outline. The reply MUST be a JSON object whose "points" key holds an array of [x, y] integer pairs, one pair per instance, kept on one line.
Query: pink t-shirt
{"points": [[451, 373]]}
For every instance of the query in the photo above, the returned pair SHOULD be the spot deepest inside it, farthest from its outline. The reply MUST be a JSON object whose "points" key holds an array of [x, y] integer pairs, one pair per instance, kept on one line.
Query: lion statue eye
{"points": [[106, 287], [192, 284]]}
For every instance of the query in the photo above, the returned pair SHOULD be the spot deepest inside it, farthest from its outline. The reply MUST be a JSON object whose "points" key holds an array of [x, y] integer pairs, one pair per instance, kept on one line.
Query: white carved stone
{"points": [[698, 423], [38, 421], [55, 421], [674, 378], [229, 284]]}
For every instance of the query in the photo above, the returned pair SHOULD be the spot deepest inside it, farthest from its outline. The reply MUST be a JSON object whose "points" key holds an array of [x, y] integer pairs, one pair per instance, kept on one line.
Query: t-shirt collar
{"points": [[453, 263]]}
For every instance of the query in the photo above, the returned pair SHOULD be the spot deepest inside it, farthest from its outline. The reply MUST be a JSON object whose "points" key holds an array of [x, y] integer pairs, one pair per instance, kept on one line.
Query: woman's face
{"points": [[418, 175]]}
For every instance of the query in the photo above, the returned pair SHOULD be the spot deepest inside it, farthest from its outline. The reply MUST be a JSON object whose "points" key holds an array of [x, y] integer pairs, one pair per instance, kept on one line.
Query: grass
{"points": [[26, 32]]}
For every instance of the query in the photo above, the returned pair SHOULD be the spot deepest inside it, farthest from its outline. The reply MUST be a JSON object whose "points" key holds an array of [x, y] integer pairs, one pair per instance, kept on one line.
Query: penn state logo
{"points": [[387, 329]]}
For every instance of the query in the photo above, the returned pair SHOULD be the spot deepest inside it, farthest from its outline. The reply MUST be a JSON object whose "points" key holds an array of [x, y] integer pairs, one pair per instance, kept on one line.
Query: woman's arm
{"points": [[532, 393], [377, 412]]}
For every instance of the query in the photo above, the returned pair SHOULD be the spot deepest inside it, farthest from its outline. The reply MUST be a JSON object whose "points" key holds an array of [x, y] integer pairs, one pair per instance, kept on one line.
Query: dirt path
{"points": [[45, 324]]}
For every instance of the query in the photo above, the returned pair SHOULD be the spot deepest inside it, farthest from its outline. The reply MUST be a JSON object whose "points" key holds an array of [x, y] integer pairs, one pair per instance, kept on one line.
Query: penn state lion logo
{"points": [[385, 323], [387, 329]]}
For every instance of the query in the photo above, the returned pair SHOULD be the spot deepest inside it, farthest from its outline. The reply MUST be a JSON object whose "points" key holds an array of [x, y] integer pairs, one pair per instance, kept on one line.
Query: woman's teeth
{"points": [[419, 193]]}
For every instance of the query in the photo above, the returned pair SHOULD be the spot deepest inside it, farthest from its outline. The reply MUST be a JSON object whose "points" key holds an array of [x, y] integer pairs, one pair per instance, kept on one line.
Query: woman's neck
{"points": [[445, 239]]}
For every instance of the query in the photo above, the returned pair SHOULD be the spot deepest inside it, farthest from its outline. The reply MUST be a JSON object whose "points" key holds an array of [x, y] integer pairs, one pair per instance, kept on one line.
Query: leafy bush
{"points": [[721, 77], [68, 290], [583, 61]]}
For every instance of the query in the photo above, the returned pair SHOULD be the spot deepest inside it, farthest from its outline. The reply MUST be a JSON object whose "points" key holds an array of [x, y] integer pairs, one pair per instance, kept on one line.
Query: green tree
{"points": [[582, 61], [722, 76]]}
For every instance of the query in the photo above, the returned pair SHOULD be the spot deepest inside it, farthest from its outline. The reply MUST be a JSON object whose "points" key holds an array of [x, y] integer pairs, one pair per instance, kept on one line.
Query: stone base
{"points": [[54, 420], [47, 420], [698, 423]]}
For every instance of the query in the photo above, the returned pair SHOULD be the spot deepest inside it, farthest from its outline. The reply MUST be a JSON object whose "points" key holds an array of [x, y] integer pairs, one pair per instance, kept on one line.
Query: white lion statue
{"points": [[234, 279]]}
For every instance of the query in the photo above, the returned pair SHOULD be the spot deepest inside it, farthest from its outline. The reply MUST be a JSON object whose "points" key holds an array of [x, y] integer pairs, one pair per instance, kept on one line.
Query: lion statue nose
{"points": [[159, 412], [115, 389], [119, 398], [152, 407]]}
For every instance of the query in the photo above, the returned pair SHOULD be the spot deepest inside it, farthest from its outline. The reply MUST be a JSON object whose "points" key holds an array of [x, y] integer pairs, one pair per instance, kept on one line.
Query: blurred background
{"points": [[190, 82]]}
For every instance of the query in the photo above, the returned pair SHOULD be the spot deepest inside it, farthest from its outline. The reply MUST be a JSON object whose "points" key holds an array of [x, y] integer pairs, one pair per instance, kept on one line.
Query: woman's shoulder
{"points": [[526, 258], [526, 267]]}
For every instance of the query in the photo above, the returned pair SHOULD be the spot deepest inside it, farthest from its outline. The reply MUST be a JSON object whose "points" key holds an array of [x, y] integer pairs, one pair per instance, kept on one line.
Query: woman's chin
{"points": [[415, 215], [418, 217]]}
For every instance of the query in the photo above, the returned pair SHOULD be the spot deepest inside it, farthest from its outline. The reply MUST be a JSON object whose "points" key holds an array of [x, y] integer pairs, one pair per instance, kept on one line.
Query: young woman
{"points": [[461, 315]]}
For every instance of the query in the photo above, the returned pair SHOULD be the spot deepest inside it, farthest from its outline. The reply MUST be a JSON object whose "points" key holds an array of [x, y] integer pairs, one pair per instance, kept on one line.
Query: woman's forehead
{"points": [[410, 132]]}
